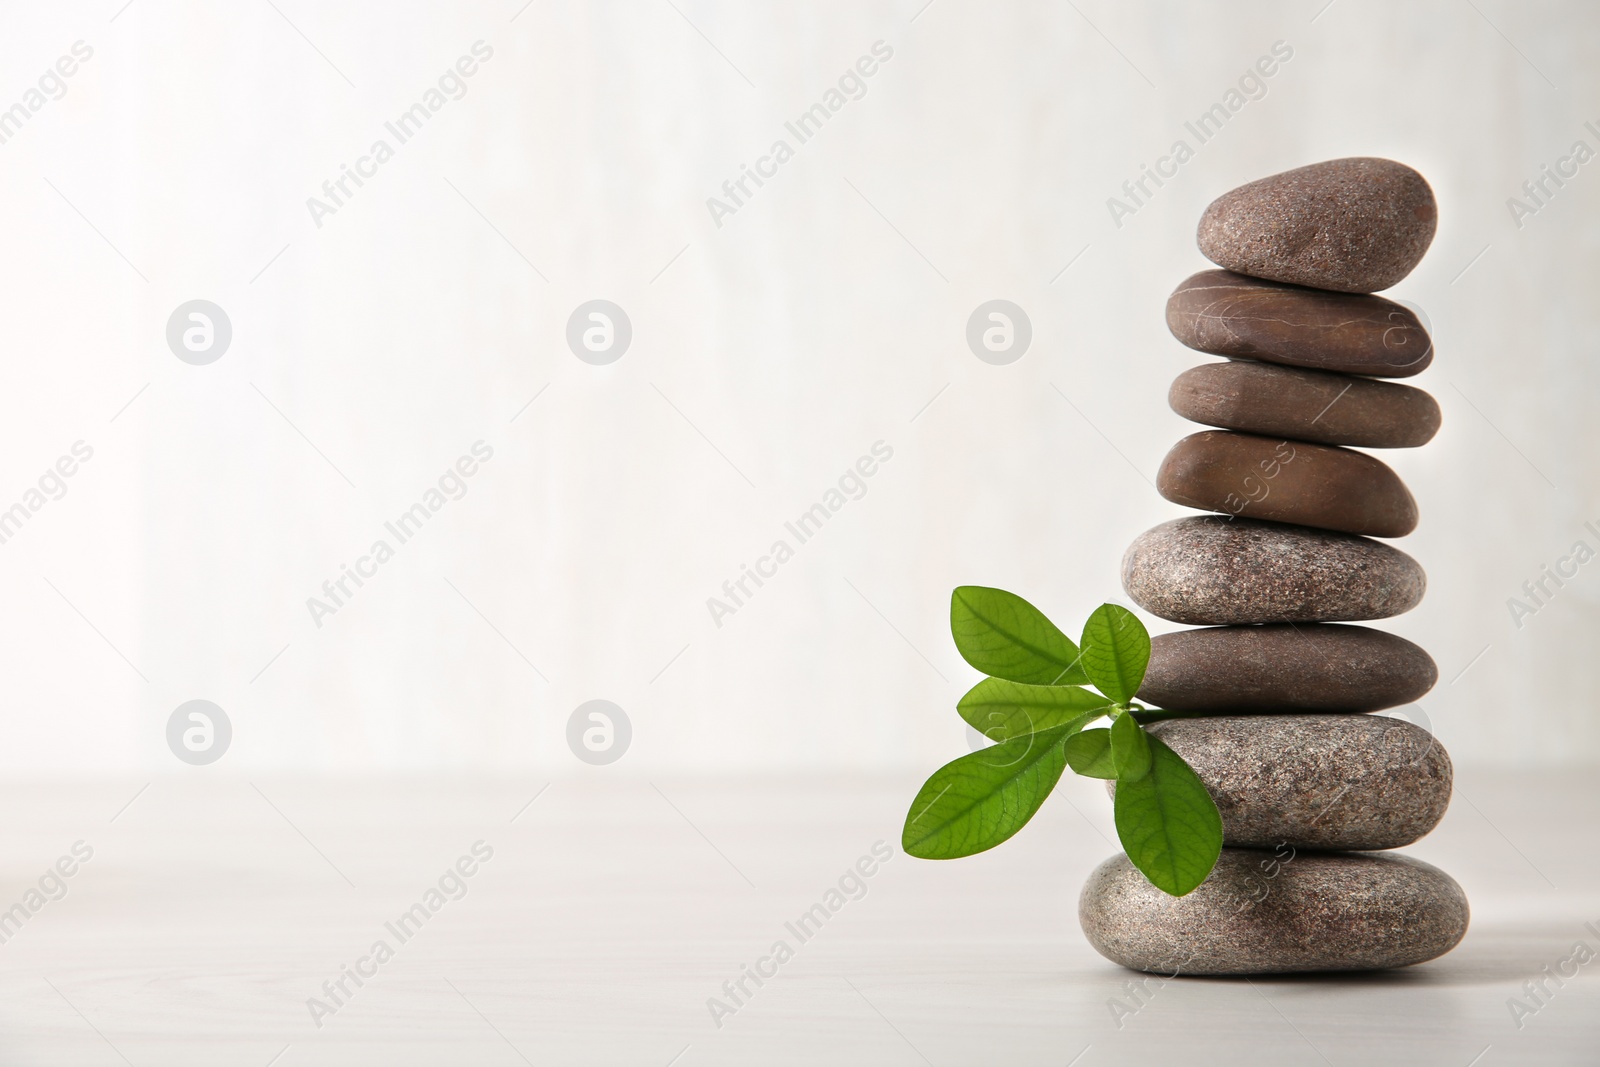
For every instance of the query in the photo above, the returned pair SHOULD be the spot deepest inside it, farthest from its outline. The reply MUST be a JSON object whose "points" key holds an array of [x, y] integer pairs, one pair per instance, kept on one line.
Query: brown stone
{"points": [[1345, 782], [1231, 315], [1355, 225], [1284, 668], [1287, 481], [1213, 571], [1259, 913], [1305, 405]]}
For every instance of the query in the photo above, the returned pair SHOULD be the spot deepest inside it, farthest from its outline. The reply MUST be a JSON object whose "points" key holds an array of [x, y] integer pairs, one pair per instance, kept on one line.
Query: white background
{"points": [[767, 355]]}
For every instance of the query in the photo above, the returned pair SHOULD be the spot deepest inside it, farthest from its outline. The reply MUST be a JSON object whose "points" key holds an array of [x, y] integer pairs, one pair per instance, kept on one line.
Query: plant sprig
{"points": [[1036, 707]]}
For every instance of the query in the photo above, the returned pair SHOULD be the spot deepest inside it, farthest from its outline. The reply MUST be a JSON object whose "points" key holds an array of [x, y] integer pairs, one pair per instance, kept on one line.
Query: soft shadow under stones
{"points": [[1501, 955]]}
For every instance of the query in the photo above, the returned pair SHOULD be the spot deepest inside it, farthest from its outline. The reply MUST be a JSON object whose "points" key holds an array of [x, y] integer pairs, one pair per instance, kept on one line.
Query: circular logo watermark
{"points": [[599, 732], [599, 332], [199, 332], [1401, 339], [1416, 309], [999, 332], [199, 732], [975, 740], [1411, 713]]}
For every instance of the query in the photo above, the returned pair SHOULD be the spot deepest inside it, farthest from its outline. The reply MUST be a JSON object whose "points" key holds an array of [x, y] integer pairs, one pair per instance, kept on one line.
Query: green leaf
{"points": [[1130, 749], [1116, 650], [1001, 634], [976, 802], [1168, 823], [1089, 754], [1001, 710]]}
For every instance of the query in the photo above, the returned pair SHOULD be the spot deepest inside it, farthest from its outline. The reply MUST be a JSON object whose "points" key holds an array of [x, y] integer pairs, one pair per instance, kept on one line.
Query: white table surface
{"points": [[615, 906]]}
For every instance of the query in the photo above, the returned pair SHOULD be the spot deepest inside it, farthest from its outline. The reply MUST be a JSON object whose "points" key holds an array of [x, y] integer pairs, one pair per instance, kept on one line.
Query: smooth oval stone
{"points": [[1305, 405], [1260, 913], [1212, 571], [1355, 225], [1284, 668], [1230, 315], [1346, 782], [1287, 481]]}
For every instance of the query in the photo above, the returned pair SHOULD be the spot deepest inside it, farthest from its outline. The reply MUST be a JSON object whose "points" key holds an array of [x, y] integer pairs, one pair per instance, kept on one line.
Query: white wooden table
{"points": [[613, 908]]}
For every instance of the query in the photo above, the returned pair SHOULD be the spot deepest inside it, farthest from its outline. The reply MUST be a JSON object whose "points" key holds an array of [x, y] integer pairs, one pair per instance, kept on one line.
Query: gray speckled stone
{"points": [[1348, 782], [1263, 913], [1312, 666], [1355, 225], [1215, 571]]}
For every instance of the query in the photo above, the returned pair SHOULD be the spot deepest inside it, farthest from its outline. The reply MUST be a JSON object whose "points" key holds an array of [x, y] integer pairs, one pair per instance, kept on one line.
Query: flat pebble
{"points": [[1231, 315], [1345, 782], [1317, 667], [1305, 405], [1214, 571], [1281, 480], [1355, 225], [1261, 913]]}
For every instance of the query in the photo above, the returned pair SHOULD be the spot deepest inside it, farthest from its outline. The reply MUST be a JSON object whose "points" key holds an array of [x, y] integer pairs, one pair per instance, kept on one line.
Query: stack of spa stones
{"points": [[1309, 786]]}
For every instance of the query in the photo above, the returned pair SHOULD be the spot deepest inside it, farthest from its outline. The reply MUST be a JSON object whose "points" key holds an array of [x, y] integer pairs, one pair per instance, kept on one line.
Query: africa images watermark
{"points": [[337, 191], [338, 592], [851, 885], [1536, 992], [1139, 992], [52, 485], [451, 885], [52, 886], [52, 82], [1538, 191], [1252, 85], [1538, 590], [852, 85], [852, 485]]}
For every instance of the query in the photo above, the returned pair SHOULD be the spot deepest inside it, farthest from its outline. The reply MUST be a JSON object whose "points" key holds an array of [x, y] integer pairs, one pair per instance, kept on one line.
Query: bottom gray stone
{"points": [[1276, 912]]}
